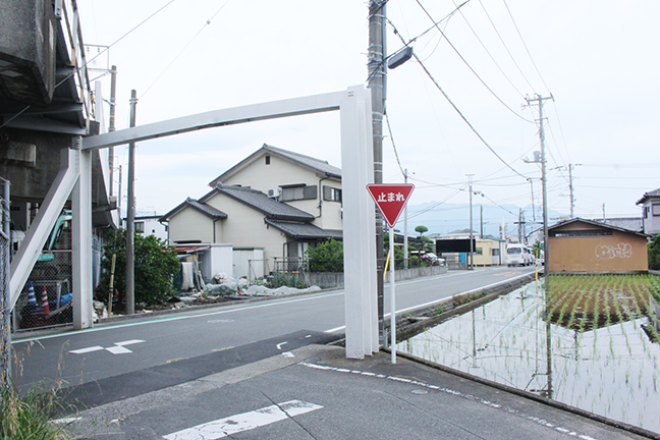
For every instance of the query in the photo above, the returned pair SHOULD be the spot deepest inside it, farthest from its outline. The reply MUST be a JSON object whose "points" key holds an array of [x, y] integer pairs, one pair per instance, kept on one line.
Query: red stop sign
{"points": [[391, 198]]}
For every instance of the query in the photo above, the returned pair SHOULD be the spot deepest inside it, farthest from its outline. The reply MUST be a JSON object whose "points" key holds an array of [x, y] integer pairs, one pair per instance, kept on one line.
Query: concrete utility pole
{"points": [[471, 244], [111, 126], [377, 83], [405, 226], [570, 186], [538, 100], [130, 218]]}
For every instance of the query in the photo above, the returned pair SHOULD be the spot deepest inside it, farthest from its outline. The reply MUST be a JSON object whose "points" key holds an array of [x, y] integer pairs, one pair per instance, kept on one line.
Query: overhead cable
{"points": [[207, 23], [525, 45], [470, 67]]}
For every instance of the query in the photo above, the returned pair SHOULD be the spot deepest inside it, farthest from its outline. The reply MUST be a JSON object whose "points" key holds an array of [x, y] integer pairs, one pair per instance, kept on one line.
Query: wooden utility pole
{"points": [[130, 218], [377, 83]]}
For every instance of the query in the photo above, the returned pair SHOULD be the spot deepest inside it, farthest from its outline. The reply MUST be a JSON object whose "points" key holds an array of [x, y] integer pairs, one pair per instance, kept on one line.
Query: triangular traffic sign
{"points": [[390, 198]]}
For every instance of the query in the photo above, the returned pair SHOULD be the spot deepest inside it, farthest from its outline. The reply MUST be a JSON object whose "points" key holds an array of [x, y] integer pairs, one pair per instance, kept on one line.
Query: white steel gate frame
{"points": [[74, 178]]}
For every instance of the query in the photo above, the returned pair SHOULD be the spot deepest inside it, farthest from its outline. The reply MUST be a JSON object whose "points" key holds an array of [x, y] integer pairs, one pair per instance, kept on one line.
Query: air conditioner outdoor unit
{"points": [[273, 193]]}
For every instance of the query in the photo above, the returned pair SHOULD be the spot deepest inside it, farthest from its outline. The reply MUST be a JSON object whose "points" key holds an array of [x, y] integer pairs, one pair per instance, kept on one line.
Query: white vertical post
{"points": [[392, 298], [81, 242], [360, 301]]}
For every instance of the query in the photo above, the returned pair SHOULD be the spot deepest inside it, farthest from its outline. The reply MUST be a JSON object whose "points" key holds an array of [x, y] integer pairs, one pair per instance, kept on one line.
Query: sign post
{"points": [[391, 199]]}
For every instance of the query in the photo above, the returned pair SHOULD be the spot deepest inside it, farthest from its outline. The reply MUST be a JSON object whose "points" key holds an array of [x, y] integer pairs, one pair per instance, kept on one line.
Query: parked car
{"points": [[433, 259]]}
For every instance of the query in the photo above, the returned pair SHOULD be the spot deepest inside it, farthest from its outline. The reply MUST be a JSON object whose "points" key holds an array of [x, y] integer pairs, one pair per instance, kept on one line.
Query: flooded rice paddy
{"points": [[586, 341]]}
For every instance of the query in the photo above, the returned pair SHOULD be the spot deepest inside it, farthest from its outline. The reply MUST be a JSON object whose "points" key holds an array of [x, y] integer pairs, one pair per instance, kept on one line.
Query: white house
{"points": [[275, 202], [651, 211], [150, 225]]}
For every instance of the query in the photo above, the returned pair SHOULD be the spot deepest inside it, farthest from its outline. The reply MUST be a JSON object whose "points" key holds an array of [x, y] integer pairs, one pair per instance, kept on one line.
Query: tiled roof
{"points": [[304, 231], [319, 165], [648, 195], [273, 209], [205, 209], [633, 223]]}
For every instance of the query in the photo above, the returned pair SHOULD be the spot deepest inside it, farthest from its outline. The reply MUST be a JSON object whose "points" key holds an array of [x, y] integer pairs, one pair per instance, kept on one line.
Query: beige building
{"points": [[579, 245]]}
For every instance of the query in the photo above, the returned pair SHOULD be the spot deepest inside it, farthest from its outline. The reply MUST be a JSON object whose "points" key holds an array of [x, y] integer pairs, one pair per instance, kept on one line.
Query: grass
{"points": [[28, 418]]}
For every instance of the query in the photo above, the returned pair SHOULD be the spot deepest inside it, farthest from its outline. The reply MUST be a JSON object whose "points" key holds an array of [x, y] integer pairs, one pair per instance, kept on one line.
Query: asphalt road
{"points": [[118, 350]]}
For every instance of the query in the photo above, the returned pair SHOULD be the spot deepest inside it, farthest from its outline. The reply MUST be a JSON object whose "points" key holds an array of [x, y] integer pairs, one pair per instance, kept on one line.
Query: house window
{"points": [[495, 252], [655, 209], [298, 192], [139, 227], [331, 194], [479, 251], [267, 160]]}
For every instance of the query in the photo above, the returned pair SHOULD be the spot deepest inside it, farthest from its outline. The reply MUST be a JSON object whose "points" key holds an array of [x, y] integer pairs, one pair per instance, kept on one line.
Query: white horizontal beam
{"points": [[217, 118]]}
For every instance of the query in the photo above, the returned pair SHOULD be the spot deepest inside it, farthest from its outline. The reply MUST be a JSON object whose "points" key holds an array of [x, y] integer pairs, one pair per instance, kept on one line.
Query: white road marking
{"points": [[244, 422], [118, 348], [495, 406], [279, 346], [288, 354], [86, 350]]}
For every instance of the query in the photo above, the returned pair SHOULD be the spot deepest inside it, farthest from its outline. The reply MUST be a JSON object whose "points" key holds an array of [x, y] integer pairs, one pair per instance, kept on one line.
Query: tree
{"points": [[327, 256], [155, 265], [424, 244], [421, 229], [654, 253]]}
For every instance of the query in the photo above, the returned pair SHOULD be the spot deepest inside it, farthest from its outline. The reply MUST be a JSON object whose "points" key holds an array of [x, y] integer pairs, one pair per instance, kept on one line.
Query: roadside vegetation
{"points": [[29, 418], [155, 267]]}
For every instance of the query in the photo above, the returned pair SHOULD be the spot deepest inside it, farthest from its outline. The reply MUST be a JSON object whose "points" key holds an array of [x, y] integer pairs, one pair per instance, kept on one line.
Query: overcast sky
{"points": [[598, 59]]}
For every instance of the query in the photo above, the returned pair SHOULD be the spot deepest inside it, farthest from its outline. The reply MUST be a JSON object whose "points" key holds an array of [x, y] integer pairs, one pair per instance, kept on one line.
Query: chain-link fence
{"points": [[5, 327], [46, 297]]}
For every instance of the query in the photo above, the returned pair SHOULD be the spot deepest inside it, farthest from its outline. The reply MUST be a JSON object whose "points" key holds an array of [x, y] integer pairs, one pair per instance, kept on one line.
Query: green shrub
{"points": [[654, 253], [155, 266], [327, 256]]}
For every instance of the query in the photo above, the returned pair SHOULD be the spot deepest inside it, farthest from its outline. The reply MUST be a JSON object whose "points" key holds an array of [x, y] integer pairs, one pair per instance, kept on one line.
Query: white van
{"points": [[518, 255]]}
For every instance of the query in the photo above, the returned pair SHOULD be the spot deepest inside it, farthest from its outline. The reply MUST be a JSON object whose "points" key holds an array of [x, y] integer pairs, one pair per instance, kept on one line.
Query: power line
{"points": [[396, 154], [469, 66], [84, 65], [525, 45], [506, 48], [208, 22], [474, 130]]}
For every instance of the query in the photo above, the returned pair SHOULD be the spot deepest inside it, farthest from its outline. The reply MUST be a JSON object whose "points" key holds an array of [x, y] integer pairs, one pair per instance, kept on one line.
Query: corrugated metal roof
{"points": [[595, 223]]}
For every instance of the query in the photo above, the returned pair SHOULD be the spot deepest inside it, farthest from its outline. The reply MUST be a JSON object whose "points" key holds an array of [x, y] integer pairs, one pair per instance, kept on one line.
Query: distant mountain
{"points": [[443, 218]]}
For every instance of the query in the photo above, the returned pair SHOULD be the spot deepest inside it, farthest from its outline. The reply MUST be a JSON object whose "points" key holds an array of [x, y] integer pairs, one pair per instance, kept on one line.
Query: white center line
{"points": [[244, 422]]}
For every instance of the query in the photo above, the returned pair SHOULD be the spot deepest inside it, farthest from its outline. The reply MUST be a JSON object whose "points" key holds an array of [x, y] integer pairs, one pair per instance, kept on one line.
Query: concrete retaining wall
{"points": [[329, 280]]}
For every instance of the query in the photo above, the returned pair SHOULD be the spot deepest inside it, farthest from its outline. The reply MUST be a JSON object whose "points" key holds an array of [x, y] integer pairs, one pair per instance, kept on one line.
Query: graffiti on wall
{"points": [[610, 252]]}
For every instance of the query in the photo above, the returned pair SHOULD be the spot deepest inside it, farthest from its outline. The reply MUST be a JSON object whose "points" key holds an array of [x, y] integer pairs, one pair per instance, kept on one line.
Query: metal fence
{"points": [[290, 265], [46, 297], [5, 327]]}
